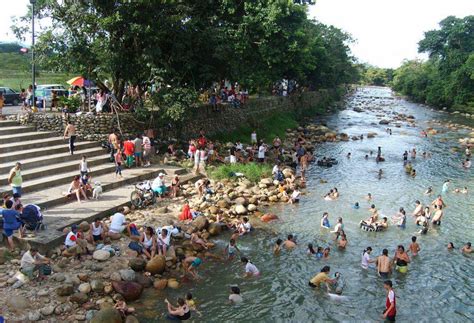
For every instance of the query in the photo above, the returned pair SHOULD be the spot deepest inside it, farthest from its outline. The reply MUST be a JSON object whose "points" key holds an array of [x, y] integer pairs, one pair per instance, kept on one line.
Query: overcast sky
{"points": [[387, 31]]}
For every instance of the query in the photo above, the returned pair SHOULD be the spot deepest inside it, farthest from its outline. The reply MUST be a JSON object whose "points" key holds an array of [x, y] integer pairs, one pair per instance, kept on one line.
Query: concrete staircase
{"points": [[48, 169]]}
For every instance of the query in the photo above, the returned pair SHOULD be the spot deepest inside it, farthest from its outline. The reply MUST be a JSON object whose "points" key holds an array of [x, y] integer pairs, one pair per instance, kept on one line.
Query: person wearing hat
{"points": [[158, 186], [33, 261], [73, 243]]}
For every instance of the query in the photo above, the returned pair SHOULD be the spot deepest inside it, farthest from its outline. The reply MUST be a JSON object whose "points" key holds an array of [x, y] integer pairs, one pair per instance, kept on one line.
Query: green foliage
{"points": [[175, 103], [10, 48], [252, 171], [72, 103], [447, 78], [266, 128], [372, 75]]}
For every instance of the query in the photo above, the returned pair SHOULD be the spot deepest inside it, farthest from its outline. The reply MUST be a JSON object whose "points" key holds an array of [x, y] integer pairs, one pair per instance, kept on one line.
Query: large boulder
{"points": [[127, 274], [65, 290], [288, 172], [17, 303], [160, 283], [173, 283], [131, 291], [241, 201], [223, 204], [252, 207], [145, 281], [200, 223], [107, 315], [101, 255], [240, 209], [137, 264], [214, 229], [156, 265]]}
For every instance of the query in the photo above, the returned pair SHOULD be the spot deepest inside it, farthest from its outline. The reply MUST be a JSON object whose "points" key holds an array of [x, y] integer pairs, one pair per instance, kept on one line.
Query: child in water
{"points": [[414, 246], [231, 249], [191, 303], [277, 246]]}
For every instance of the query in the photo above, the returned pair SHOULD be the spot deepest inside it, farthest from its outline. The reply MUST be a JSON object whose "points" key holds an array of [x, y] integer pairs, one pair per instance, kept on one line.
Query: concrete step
{"points": [[25, 137], [31, 144], [64, 216], [15, 130], [63, 179], [51, 150], [69, 166], [51, 160], [8, 123], [54, 195]]}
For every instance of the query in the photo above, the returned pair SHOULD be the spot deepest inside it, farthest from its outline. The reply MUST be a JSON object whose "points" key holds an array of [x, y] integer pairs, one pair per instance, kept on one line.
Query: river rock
{"points": [[97, 285], [268, 217], [200, 223], [131, 319], [107, 315], [83, 277], [65, 290], [157, 264], [127, 274], [137, 264], [240, 209], [252, 207], [143, 280], [84, 226], [173, 283], [115, 276], [17, 303], [266, 181], [85, 288], [79, 298], [34, 316], [213, 209], [241, 201], [288, 172], [223, 204], [160, 283], [101, 255], [130, 291], [371, 134], [47, 310], [384, 121], [214, 229]]}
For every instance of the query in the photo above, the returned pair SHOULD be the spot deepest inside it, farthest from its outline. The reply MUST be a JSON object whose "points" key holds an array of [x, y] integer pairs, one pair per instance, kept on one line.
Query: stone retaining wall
{"points": [[91, 127]]}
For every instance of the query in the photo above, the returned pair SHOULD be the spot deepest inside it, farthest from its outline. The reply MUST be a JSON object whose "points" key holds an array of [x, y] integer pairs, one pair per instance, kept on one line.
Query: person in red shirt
{"points": [[390, 302], [128, 150], [202, 142]]}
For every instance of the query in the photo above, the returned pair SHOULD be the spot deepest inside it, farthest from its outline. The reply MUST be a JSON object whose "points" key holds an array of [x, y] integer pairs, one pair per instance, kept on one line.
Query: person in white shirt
{"points": [[295, 197], [275, 169], [158, 185], [73, 243], [163, 239], [245, 226], [250, 269], [118, 223], [467, 163], [261, 152], [366, 258], [97, 232], [253, 137], [338, 228], [235, 296], [83, 168], [33, 261]]}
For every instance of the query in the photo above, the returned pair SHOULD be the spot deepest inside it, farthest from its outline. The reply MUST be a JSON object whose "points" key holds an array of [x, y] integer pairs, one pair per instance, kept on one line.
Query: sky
{"points": [[386, 31]]}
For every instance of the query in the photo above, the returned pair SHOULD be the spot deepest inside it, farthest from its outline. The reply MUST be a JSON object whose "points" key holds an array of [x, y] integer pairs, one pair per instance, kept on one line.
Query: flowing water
{"points": [[439, 283]]}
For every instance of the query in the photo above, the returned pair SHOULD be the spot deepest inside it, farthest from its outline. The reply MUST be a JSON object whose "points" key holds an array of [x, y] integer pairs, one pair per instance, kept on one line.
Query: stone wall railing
{"points": [[98, 127]]}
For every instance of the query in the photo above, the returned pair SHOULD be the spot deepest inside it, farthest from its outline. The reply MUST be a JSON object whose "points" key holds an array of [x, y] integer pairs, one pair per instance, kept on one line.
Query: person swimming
{"points": [[356, 206], [277, 246], [429, 191]]}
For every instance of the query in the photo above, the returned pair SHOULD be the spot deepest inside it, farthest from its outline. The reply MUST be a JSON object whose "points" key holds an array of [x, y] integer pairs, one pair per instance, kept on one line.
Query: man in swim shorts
{"points": [[384, 265]]}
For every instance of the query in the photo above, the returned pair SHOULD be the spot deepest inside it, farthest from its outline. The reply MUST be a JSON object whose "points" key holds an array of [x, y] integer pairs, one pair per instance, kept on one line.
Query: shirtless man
{"points": [[418, 209], [438, 202], [414, 247], [437, 215], [71, 132], [289, 243], [384, 265], [467, 248]]}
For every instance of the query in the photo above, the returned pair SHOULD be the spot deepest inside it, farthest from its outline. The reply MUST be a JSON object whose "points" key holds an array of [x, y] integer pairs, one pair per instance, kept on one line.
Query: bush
{"points": [[252, 171]]}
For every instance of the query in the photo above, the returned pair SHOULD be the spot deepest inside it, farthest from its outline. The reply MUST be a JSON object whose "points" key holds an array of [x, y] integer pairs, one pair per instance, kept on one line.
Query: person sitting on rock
{"points": [[196, 239], [245, 226], [97, 232], [117, 225], [32, 261], [74, 243], [148, 241], [163, 240]]}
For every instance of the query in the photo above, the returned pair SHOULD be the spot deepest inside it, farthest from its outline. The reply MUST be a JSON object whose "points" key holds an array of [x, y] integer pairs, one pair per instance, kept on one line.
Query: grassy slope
{"points": [[252, 171], [15, 72]]}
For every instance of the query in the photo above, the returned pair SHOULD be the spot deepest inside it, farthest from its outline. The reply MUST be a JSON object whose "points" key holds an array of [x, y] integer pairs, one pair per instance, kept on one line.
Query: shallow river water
{"points": [[439, 283]]}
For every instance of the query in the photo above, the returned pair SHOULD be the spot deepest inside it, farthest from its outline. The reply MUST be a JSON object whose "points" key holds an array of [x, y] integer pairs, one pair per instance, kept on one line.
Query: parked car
{"points": [[11, 97], [44, 95]]}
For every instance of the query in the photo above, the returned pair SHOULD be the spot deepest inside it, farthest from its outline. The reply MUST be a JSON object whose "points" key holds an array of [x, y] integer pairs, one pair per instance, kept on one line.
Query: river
{"points": [[438, 285]]}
